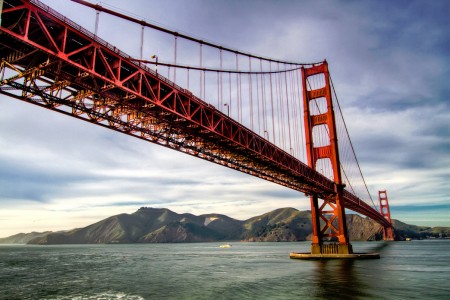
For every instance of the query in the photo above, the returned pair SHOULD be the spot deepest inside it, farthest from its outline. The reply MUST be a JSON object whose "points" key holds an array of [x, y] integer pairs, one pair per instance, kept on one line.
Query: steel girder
{"points": [[61, 66]]}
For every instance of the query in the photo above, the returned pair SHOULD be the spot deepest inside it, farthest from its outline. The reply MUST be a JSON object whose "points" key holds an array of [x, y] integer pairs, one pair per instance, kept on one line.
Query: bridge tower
{"points": [[388, 232], [328, 219]]}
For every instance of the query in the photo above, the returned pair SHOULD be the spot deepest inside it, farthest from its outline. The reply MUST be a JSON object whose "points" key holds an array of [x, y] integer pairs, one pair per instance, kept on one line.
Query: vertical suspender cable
{"points": [[271, 103], [281, 109], [97, 16], [293, 111], [220, 82], [237, 91], [201, 75], [257, 103], [351, 144], [250, 91], [219, 106], [263, 93], [204, 86], [142, 42], [302, 130], [297, 113], [240, 96], [229, 83], [300, 119], [188, 79], [175, 60], [288, 110]]}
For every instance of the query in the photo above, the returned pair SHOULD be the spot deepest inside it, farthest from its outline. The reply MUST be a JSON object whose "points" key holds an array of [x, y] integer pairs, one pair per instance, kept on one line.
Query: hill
{"points": [[284, 224], [22, 238], [150, 225], [161, 225]]}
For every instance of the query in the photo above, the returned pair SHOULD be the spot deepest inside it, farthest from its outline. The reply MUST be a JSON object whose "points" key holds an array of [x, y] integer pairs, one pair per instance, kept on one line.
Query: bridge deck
{"points": [[63, 67]]}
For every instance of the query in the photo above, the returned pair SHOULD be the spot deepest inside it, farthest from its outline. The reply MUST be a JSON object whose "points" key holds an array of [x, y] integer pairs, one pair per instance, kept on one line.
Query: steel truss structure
{"points": [[52, 62]]}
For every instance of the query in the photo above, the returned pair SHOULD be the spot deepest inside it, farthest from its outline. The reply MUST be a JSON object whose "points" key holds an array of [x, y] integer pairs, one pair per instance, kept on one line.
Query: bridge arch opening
{"points": [[318, 106]]}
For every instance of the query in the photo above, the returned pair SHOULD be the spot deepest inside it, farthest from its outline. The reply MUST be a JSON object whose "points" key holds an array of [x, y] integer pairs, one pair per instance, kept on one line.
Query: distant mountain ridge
{"points": [[161, 225], [22, 238]]}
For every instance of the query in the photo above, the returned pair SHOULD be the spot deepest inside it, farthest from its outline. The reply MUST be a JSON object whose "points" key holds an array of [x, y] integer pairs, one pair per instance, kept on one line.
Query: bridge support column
{"points": [[388, 232], [316, 242], [328, 219], [333, 226]]}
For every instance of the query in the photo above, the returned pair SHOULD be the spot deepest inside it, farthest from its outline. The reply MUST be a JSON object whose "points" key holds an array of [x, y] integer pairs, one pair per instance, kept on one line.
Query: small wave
{"points": [[102, 296]]}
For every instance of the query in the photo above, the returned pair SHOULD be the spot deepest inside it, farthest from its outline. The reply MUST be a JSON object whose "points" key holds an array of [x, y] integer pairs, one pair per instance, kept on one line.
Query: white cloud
{"points": [[63, 171]]}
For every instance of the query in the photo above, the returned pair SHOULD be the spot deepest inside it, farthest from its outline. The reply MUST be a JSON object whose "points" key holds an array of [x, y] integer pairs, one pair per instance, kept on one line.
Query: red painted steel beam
{"points": [[104, 86], [101, 61]]}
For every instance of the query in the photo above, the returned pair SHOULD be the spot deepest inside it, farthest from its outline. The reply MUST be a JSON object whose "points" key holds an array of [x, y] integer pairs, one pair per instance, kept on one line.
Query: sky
{"points": [[390, 68]]}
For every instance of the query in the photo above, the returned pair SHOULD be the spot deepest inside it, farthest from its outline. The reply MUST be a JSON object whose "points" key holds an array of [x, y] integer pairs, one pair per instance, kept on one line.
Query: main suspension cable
{"points": [[211, 69], [350, 141], [181, 35]]}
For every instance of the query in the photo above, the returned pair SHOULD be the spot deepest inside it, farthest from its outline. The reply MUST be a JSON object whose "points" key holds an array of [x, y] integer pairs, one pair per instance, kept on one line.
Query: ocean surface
{"points": [[406, 270]]}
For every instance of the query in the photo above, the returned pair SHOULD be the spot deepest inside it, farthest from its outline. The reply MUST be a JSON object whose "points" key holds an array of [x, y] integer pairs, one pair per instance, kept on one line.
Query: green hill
{"points": [[161, 225], [149, 225]]}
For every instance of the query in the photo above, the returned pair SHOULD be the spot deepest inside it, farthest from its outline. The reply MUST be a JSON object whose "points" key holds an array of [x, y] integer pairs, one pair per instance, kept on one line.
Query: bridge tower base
{"points": [[332, 248]]}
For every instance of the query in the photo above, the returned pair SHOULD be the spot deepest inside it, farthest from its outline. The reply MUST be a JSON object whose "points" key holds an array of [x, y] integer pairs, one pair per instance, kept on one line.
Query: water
{"points": [[407, 270]]}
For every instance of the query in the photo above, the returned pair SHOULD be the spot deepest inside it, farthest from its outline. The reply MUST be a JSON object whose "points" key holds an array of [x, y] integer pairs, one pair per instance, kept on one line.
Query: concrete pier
{"points": [[295, 255], [331, 248]]}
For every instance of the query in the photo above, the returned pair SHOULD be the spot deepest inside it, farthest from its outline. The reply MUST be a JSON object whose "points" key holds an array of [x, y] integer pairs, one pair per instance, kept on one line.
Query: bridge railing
{"points": [[104, 43]]}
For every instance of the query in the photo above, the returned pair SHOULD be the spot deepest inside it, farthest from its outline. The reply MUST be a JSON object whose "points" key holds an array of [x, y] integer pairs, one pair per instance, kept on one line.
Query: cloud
{"points": [[389, 65]]}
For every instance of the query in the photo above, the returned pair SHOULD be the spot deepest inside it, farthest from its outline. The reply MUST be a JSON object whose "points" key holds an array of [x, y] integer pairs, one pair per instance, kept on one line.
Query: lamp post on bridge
{"points": [[228, 108], [265, 131], [154, 56]]}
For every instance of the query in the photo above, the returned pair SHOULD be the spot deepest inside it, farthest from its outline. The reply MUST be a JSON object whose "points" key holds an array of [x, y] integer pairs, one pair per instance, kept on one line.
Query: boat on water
{"points": [[225, 246]]}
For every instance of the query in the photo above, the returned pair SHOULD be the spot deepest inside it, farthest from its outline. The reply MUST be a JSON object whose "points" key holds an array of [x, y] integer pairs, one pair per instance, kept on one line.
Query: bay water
{"points": [[406, 270]]}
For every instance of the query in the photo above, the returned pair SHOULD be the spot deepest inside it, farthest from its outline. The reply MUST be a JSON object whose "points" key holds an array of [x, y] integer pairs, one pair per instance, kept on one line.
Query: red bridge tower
{"points": [[385, 211], [331, 212]]}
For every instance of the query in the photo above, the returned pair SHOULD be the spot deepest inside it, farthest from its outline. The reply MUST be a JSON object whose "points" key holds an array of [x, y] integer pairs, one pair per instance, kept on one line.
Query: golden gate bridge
{"points": [[277, 120]]}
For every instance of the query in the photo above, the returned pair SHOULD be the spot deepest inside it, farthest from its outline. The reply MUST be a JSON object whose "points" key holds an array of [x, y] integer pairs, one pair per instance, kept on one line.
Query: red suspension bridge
{"points": [[277, 120]]}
